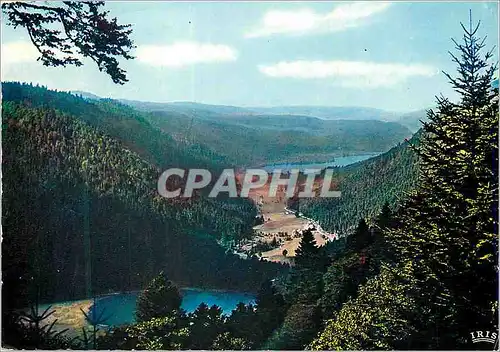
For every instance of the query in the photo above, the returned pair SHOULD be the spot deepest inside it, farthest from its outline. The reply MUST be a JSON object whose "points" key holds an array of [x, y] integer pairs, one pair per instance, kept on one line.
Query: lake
{"points": [[120, 307], [339, 161]]}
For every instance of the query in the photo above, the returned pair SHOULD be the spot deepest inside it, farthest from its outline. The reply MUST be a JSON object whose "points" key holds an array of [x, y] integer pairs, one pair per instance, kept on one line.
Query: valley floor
{"points": [[280, 226], [286, 228]]}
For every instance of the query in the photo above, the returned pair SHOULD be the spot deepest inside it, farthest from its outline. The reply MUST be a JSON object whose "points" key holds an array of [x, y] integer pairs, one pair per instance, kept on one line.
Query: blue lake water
{"points": [[120, 307], [339, 161]]}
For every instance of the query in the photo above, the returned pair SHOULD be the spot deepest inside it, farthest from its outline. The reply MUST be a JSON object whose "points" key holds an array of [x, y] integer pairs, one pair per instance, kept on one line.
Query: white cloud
{"points": [[24, 52], [18, 52], [308, 21], [184, 53], [349, 73]]}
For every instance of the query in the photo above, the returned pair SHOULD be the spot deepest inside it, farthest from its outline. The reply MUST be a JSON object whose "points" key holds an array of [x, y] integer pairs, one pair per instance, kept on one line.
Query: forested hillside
{"points": [[250, 140], [81, 215], [366, 186], [329, 112], [213, 139], [120, 122]]}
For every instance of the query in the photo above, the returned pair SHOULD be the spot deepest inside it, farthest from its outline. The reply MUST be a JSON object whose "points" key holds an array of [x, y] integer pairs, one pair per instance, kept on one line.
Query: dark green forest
{"points": [[440, 280], [79, 206], [366, 186], [121, 122], [248, 140]]}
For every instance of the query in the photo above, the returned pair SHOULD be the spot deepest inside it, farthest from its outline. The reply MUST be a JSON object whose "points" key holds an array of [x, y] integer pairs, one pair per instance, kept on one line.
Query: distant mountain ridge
{"points": [[330, 112], [410, 120], [255, 139], [75, 169]]}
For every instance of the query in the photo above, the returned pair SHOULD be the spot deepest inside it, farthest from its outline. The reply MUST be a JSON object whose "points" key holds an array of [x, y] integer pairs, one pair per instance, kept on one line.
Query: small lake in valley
{"points": [[339, 161], [120, 307]]}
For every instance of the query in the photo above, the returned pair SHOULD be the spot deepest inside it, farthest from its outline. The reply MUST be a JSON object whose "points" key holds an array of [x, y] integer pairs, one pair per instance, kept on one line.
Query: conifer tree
{"points": [[385, 216], [306, 282], [160, 298], [271, 307], [360, 239], [449, 228], [307, 252], [445, 241]]}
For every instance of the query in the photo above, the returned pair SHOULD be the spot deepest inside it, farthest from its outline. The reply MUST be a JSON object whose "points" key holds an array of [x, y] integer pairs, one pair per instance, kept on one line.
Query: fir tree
{"points": [[305, 281], [243, 324], [307, 252], [206, 323], [384, 218], [448, 226]]}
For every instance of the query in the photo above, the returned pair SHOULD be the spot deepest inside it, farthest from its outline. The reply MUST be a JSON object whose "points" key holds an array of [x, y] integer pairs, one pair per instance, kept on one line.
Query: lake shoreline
{"points": [[121, 305], [339, 161], [44, 305], [316, 158], [89, 302]]}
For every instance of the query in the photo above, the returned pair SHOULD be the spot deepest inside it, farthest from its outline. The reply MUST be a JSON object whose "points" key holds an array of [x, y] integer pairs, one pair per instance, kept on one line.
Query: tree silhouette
{"points": [[160, 298], [360, 238], [206, 323], [64, 34]]}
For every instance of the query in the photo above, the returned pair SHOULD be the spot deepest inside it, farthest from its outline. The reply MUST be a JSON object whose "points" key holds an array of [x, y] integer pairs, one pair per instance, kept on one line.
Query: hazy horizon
{"points": [[247, 106], [380, 55]]}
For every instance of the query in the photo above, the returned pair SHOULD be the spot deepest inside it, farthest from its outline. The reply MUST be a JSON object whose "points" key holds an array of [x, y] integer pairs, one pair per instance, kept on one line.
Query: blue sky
{"points": [[374, 54]]}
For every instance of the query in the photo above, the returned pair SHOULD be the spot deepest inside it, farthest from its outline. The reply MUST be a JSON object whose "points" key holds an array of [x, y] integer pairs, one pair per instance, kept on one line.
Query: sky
{"points": [[373, 54]]}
